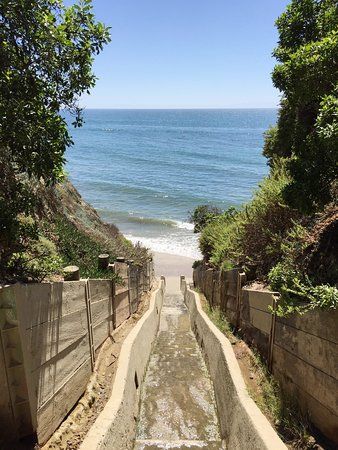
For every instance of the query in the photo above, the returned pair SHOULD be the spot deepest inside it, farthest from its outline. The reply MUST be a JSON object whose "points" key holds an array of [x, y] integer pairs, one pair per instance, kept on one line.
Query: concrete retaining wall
{"points": [[115, 428], [49, 335], [243, 426], [301, 350]]}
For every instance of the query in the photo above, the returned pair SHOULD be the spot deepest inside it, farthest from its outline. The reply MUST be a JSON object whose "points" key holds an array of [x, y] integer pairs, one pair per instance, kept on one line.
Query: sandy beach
{"points": [[172, 265]]}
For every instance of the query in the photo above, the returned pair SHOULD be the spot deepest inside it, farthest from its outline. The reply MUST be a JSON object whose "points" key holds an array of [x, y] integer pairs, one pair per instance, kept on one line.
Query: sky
{"points": [[186, 54]]}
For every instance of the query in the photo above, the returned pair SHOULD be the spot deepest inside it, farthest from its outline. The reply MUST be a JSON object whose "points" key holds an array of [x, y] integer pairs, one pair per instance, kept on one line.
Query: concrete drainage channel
{"points": [[170, 402]]}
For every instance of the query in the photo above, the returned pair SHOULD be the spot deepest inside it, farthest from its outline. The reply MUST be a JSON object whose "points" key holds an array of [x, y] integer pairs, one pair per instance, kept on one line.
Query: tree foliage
{"points": [[46, 56], [307, 74], [202, 215]]}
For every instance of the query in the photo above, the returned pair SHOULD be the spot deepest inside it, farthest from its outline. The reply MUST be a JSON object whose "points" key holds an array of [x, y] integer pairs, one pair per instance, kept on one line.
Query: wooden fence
{"points": [[300, 350], [49, 337]]}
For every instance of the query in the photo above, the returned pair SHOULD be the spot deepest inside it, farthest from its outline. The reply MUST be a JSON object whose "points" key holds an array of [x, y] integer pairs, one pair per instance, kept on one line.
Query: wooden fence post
{"points": [[112, 268], [103, 261], [272, 331], [129, 284], [90, 324], [240, 281]]}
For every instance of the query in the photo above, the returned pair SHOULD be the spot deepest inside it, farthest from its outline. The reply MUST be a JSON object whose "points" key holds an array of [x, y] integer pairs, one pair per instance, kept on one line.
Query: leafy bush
{"points": [[251, 237], [298, 294], [215, 238], [298, 291], [202, 215], [40, 259], [196, 264]]}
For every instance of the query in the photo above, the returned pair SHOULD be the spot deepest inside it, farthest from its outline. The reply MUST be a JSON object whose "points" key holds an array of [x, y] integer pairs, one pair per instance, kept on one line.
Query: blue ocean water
{"points": [[144, 170]]}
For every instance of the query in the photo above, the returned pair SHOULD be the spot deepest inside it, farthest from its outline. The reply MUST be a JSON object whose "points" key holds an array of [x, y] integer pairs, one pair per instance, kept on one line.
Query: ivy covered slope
{"points": [[287, 235], [46, 56]]}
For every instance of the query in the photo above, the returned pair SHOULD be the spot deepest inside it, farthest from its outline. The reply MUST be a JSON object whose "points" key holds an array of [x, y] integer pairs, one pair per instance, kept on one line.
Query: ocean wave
{"points": [[130, 217], [173, 245], [184, 225], [150, 221]]}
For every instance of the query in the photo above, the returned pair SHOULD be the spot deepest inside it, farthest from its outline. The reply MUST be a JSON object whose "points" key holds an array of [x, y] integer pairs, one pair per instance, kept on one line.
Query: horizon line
{"points": [[177, 108]]}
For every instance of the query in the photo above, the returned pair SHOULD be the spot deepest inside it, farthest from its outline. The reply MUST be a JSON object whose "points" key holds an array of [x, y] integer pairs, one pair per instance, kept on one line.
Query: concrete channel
{"points": [[178, 385], [178, 408]]}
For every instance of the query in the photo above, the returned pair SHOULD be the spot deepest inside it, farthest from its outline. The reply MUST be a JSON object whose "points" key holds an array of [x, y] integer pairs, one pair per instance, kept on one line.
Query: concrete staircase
{"points": [[178, 409]]}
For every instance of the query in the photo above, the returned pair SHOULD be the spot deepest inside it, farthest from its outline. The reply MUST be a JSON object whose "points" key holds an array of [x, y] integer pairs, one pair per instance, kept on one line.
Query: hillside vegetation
{"points": [[65, 230], [287, 234]]}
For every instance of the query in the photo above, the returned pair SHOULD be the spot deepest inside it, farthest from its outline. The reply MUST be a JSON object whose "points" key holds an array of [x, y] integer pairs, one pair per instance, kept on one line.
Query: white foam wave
{"points": [[174, 245], [185, 225]]}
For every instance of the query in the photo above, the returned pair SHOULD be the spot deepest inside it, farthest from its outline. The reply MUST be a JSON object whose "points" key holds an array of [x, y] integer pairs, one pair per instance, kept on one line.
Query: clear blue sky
{"points": [[186, 54]]}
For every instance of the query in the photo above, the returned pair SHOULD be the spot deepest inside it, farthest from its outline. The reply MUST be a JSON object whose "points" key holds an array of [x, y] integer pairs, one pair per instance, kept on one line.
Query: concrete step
{"points": [[182, 445]]}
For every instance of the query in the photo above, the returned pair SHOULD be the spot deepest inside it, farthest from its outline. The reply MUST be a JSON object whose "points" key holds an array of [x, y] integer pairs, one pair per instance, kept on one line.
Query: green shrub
{"points": [[196, 264], [215, 239], [298, 291], [39, 260], [251, 237], [298, 294], [202, 215]]}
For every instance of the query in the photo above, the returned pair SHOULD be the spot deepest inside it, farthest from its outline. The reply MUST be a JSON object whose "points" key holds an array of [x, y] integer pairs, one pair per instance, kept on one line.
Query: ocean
{"points": [[144, 170]]}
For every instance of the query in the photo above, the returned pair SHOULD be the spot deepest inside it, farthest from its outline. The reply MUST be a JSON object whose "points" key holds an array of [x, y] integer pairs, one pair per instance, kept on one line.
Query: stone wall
{"points": [[49, 337], [301, 350]]}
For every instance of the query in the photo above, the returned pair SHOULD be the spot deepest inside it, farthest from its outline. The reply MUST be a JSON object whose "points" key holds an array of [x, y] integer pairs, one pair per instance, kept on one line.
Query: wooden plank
{"points": [[7, 425], [121, 288], [320, 323], [23, 419], [217, 291], [52, 413], [316, 383], [73, 296], [231, 303], [48, 378], [100, 290], [259, 299], [43, 342], [101, 331], [230, 279], [101, 310], [324, 420], [261, 320], [231, 316], [121, 269], [43, 302], [35, 304], [318, 352], [121, 305], [255, 325], [208, 284]]}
